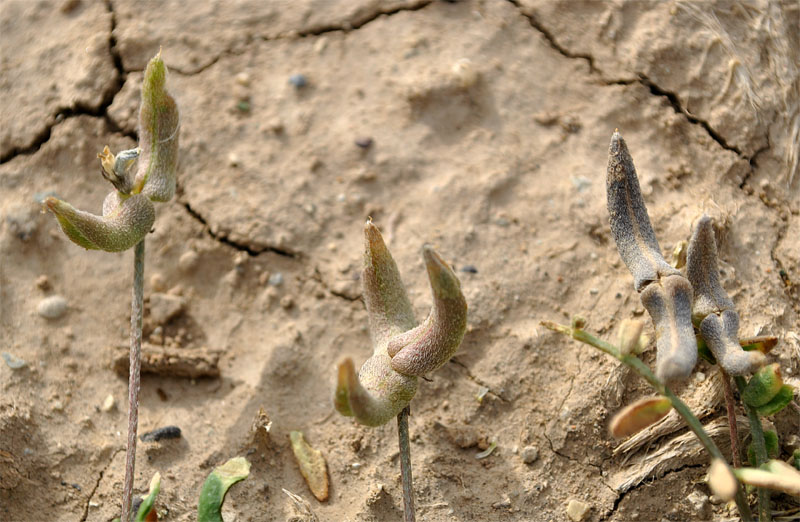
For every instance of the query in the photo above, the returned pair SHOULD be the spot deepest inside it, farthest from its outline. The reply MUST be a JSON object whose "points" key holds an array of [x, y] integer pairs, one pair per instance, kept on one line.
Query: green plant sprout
{"points": [[402, 351], [128, 216], [212, 494], [678, 305]]}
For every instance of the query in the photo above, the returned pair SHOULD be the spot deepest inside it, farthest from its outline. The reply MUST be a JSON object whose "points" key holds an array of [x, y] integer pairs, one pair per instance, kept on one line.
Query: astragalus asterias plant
{"points": [[692, 314], [140, 176], [402, 350]]}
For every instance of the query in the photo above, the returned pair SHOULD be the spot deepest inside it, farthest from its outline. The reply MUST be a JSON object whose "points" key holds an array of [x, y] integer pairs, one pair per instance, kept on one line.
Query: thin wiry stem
{"points": [[133, 377], [405, 465], [760, 446], [730, 406], [683, 410]]}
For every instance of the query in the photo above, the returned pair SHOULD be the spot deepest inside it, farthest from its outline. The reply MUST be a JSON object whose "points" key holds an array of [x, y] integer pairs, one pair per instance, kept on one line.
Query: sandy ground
{"points": [[489, 124]]}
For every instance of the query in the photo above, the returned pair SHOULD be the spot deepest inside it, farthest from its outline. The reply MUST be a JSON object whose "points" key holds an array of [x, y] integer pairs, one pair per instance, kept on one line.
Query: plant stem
{"points": [[730, 405], [133, 377], [683, 410], [757, 433], [405, 465]]}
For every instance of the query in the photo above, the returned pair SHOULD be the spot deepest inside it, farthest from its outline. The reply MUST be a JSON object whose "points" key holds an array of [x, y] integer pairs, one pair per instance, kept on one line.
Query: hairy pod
{"points": [[720, 331], [159, 127], [630, 224], [382, 388], [665, 293], [125, 222], [712, 309], [669, 303]]}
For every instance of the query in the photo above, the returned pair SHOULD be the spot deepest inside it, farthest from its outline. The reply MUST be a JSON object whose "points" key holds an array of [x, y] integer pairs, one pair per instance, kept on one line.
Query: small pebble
{"points": [[52, 307], [188, 260], [594, 291], [167, 432], [298, 81], [157, 283], [233, 159], [530, 454], [108, 404], [15, 363], [470, 269], [364, 143], [276, 279], [42, 283], [287, 302], [243, 79], [577, 510]]}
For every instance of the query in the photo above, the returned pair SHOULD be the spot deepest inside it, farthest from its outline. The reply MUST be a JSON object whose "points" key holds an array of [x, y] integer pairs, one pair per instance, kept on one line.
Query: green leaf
{"points": [[216, 486], [149, 501], [778, 402], [763, 386]]}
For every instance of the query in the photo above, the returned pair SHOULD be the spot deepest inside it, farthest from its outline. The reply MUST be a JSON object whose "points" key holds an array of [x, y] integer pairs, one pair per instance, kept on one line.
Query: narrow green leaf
{"points": [[146, 507]]}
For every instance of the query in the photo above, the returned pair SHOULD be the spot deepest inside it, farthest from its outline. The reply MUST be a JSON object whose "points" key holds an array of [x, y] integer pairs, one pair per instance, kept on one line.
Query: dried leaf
{"points": [[639, 415], [312, 465]]}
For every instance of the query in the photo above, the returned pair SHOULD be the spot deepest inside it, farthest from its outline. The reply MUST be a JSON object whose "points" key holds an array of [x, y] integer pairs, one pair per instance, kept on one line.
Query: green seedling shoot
{"points": [[402, 350], [209, 507], [140, 176]]}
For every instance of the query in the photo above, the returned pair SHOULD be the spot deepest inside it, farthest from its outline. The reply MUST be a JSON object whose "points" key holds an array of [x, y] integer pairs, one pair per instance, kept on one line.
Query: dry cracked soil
{"points": [[481, 127]]}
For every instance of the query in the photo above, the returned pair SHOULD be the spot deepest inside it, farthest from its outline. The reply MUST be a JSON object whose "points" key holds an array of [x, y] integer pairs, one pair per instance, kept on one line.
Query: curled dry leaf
{"points": [[639, 415], [312, 465]]}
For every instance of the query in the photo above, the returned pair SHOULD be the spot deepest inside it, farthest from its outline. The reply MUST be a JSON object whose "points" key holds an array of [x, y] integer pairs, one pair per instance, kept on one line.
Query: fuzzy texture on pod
{"points": [[124, 223], [712, 309], [159, 128], [669, 303], [665, 293], [630, 224], [128, 213], [381, 390]]}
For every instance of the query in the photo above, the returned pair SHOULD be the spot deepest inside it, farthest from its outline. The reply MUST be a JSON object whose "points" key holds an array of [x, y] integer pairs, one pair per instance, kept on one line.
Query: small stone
{"points": [[13, 362], [157, 283], [263, 277], [594, 291], [287, 302], [52, 307], [364, 143], [243, 79], [469, 269], [530, 454], [465, 73], [188, 261], [298, 81], [577, 510], [276, 279], [164, 307], [108, 404], [233, 159], [42, 283]]}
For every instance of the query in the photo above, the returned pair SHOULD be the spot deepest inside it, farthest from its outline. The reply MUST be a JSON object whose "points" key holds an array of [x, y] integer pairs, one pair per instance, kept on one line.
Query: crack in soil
{"points": [[360, 21], [642, 79], [242, 247], [97, 483], [81, 109]]}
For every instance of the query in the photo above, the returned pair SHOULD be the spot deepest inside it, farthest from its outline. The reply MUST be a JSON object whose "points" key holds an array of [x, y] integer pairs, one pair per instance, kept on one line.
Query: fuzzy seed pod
{"points": [[712, 309], [665, 293], [630, 224], [159, 127], [124, 223], [387, 381]]}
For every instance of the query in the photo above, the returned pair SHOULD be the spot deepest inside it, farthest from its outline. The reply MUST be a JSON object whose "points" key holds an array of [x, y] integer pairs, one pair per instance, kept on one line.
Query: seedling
{"points": [[212, 494], [129, 214], [402, 351], [678, 305]]}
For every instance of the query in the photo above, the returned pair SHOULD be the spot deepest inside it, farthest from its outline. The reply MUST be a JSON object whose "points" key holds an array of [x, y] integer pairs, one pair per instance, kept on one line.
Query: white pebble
{"points": [[188, 260], [577, 510], [108, 404], [52, 307]]}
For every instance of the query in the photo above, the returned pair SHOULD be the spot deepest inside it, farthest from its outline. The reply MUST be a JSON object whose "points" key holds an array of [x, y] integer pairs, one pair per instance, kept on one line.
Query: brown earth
{"points": [[490, 122]]}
